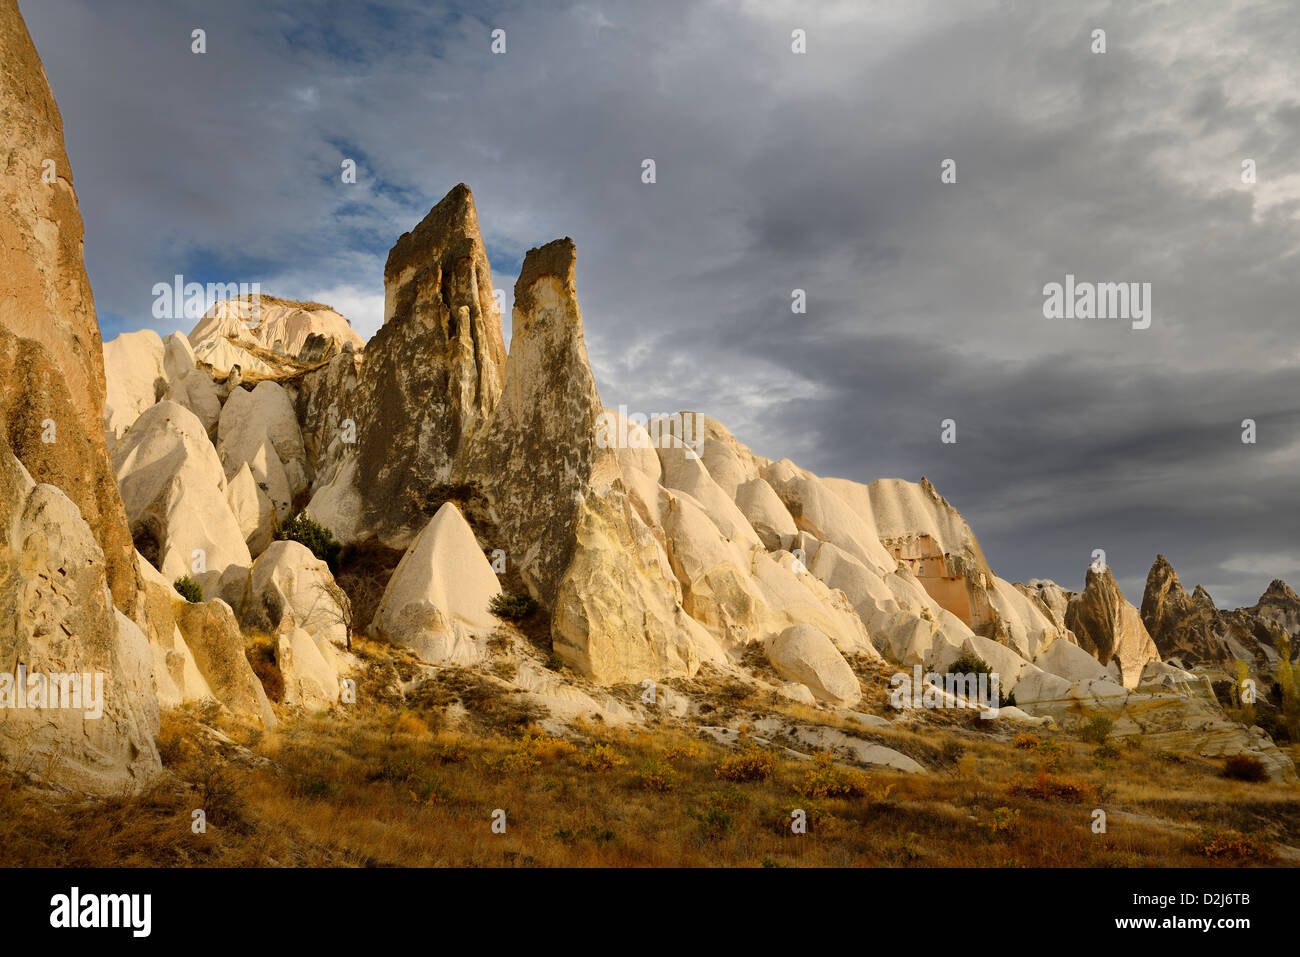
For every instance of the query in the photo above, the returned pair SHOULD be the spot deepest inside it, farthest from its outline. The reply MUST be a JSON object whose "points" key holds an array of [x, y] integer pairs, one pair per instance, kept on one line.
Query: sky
{"points": [[822, 171]]}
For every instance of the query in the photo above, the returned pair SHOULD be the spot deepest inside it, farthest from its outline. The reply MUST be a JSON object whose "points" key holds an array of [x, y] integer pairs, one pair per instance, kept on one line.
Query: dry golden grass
{"points": [[394, 787]]}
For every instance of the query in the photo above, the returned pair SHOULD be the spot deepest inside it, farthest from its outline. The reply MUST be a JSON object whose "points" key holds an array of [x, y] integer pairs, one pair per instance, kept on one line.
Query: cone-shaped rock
{"points": [[1107, 625], [437, 602]]}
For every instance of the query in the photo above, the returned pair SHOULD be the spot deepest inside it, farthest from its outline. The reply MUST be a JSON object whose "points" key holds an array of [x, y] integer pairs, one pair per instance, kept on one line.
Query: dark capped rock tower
{"points": [[433, 368]]}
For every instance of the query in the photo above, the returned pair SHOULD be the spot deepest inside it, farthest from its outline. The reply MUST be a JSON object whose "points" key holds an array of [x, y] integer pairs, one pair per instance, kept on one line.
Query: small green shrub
{"points": [[1096, 729], [305, 530], [512, 607], [714, 823], [657, 775], [188, 589], [968, 664]]}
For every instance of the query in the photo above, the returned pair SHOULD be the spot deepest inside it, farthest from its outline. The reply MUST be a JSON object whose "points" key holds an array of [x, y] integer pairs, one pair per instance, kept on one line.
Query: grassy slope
{"points": [[416, 783]]}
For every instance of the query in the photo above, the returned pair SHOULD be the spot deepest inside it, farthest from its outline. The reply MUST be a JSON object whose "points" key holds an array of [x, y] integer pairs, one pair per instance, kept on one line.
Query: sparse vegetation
{"points": [[1096, 730], [751, 764], [512, 607], [1005, 820], [1244, 767], [657, 775], [602, 757], [1048, 787], [413, 781], [302, 528], [969, 664], [188, 589], [1231, 845]]}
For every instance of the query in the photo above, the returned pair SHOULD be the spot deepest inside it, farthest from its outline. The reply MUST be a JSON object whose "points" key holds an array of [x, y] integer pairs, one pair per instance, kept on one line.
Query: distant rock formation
{"points": [[308, 331], [1183, 627], [1200, 635], [1109, 627]]}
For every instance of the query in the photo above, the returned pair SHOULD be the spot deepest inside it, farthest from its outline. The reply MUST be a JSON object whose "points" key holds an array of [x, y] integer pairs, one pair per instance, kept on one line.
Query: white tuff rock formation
{"points": [[436, 602]]}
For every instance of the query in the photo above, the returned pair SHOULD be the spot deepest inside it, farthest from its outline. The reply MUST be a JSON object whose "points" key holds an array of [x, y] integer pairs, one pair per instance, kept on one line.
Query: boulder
{"points": [[804, 654], [212, 634], [310, 679], [291, 588]]}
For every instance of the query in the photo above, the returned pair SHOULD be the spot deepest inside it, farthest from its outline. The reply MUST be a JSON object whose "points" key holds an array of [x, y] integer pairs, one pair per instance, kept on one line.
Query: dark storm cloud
{"points": [[777, 172]]}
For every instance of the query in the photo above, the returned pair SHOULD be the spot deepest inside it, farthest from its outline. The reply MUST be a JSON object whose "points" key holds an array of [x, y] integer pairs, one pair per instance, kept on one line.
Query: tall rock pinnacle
{"points": [[431, 371], [1109, 627], [65, 549], [559, 500], [51, 355], [534, 455]]}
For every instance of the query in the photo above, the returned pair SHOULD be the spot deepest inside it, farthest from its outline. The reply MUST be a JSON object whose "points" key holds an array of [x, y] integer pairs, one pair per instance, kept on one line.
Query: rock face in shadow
{"points": [[1184, 627], [431, 371], [1194, 630], [212, 634], [1108, 626]]}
